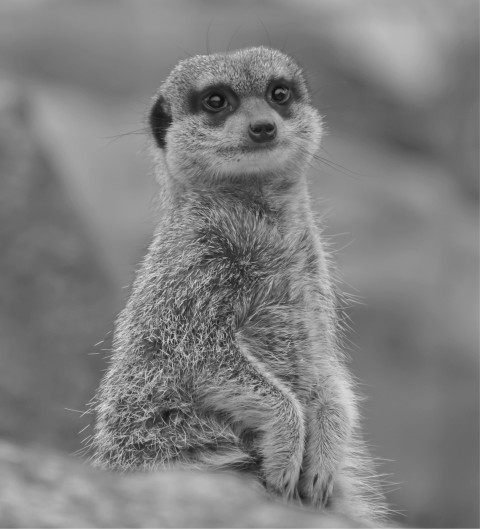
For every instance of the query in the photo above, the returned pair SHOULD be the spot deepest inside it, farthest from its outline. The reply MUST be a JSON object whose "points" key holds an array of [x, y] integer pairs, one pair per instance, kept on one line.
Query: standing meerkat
{"points": [[227, 355]]}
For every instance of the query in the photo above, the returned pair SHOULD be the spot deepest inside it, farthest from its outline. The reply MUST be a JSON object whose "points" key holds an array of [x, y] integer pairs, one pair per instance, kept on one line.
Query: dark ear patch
{"points": [[159, 121]]}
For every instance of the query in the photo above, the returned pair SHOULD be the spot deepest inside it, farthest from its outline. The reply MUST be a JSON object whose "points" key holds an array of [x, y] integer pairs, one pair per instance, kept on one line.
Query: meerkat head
{"points": [[229, 115]]}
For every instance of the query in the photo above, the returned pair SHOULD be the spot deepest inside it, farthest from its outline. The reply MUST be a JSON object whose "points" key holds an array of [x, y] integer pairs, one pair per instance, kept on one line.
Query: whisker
{"points": [[234, 34], [116, 137], [284, 44], [338, 250], [264, 29], [329, 163], [353, 173], [207, 37], [184, 51]]}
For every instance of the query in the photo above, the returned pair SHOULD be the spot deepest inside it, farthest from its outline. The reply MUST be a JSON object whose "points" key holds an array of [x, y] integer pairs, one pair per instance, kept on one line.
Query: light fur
{"points": [[227, 354]]}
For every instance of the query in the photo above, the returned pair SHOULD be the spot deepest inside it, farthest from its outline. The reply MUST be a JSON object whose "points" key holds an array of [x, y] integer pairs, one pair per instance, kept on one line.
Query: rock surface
{"points": [[41, 489]]}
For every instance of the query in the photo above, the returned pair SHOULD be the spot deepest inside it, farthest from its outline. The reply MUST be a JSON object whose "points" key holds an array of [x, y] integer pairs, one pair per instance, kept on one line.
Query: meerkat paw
{"points": [[284, 479], [316, 487]]}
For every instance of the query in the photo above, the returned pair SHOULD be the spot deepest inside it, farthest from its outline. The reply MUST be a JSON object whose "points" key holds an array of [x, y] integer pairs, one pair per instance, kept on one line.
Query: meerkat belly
{"points": [[269, 298], [278, 334]]}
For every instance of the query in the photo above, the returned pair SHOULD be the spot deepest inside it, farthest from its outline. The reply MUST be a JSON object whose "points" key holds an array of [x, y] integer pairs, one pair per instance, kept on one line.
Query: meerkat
{"points": [[227, 354]]}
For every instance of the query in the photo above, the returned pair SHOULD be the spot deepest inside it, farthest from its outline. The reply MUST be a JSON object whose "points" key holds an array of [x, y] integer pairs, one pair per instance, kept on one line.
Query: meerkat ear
{"points": [[160, 119]]}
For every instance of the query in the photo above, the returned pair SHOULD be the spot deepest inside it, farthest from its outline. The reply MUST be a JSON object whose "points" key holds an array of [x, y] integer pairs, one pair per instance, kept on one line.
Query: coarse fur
{"points": [[227, 355]]}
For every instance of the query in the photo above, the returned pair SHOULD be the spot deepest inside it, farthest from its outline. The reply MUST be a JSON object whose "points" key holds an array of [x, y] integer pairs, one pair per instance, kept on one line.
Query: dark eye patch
{"points": [[208, 99], [281, 93], [215, 102], [284, 84]]}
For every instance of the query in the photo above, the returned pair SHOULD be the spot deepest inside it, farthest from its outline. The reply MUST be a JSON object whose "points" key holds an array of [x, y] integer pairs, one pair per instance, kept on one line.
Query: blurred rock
{"points": [[56, 301], [41, 489]]}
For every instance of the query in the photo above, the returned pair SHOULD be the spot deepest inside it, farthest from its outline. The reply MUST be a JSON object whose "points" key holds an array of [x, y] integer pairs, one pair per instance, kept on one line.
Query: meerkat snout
{"points": [[262, 131], [260, 121]]}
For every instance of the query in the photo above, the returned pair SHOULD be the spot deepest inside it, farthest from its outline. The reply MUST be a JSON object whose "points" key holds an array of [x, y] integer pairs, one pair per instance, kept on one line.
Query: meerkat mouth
{"points": [[253, 159], [269, 146], [262, 147]]}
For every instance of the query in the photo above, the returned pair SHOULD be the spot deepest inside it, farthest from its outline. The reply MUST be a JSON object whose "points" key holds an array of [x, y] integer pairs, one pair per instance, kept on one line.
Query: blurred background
{"points": [[397, 82]]}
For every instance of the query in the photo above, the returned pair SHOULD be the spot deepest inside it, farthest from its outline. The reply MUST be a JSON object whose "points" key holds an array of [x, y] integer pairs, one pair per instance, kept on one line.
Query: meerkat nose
{"points": [[262, 131]]}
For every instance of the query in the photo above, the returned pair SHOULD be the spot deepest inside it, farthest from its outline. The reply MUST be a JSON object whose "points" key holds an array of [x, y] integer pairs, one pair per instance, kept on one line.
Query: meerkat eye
{"points": [[280, 94], [215, 102]]}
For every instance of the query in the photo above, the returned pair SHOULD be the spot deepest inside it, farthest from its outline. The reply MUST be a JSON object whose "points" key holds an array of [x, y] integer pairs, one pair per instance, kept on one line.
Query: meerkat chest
{"points": [[271, 280], [251, 252]]}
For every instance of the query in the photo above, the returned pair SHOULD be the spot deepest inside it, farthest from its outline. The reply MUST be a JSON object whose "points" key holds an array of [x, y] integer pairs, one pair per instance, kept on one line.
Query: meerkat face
{"points": [[247, 112]]}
